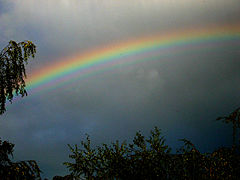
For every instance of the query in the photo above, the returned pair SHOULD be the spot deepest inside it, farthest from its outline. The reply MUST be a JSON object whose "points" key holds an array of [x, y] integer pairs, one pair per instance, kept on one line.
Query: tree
{"points": [[16, 170], [143, 159], [151, 159], [233, 118], [12, 73], [12, 70]]}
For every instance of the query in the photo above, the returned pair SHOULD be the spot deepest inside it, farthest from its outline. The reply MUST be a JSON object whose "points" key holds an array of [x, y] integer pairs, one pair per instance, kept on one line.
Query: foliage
{"points": [[233, 118], [191, 162], [151, 159], [121, 161], [67, 177], [16, 170], [12, 73], [224, 164], [12, 70]]}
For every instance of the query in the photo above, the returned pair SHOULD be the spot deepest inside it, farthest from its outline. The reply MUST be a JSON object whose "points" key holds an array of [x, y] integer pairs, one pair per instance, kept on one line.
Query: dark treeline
{"points": [[144, 158], [151, 158]]}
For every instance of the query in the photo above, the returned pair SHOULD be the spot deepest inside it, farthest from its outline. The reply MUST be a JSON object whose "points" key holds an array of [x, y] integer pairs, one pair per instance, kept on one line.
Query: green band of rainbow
{"points": [[96, 58]]}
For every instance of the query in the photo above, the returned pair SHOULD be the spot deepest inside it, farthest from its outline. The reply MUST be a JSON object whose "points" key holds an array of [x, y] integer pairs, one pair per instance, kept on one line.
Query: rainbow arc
{"points": [[87, 62]]}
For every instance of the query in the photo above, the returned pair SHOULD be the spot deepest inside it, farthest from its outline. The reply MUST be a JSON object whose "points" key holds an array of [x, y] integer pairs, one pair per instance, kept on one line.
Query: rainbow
{"points": [[93, 60]]}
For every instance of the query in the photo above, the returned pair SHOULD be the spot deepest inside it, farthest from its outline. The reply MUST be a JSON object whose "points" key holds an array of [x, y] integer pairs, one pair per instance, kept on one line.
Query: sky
{"points": [[181, 89]]}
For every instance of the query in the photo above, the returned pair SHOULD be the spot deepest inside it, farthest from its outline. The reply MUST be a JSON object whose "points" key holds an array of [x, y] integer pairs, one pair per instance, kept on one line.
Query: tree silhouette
{"points": [[150, 158], [16, 170], [233, 118], [12, 73], [143, 159], [12, 70]]}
